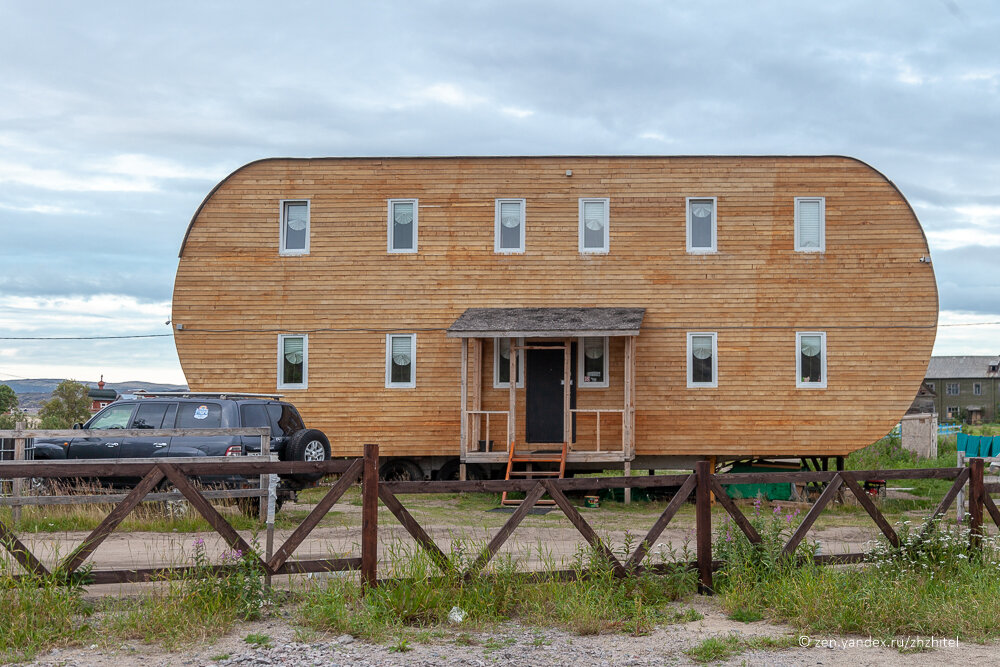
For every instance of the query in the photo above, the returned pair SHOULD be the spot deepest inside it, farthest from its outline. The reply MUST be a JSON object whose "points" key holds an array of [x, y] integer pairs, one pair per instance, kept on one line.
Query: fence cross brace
{"points": [[581, 525], [734, 511], [97, 536], [532, 497], [824, 499], [315, 516], [413, 528], [661, 523], [851, 480]]}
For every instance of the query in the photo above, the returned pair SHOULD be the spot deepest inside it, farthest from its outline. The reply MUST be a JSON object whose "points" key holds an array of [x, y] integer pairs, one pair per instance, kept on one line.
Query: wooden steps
{"points": [[530, 458]]}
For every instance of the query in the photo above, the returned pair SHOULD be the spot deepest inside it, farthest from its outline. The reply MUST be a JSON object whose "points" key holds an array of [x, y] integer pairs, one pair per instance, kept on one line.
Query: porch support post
{"points": [[464, 402], [628, 426], [477, 388], [512, 376], [567, 378]]}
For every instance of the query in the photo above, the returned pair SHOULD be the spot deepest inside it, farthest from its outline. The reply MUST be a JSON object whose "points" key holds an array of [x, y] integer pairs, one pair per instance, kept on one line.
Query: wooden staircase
{"points": [[529, 459]]}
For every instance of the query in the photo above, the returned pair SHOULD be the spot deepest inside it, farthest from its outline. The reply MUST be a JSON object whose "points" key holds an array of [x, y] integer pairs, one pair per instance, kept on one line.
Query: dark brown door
{"points": [[543, 396]]}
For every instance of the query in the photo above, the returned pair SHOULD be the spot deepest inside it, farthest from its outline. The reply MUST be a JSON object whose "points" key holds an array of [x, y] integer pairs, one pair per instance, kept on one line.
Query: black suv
{"points": [[290, 439]]}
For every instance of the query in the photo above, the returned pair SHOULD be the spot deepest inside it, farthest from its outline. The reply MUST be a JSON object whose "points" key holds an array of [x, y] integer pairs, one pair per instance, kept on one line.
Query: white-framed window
{"points": [[501, 363], [810, 224], [701, 224], [977, 389], [293, 361], [594, 233], [702, 359], [294, 227], [592, 362], [401, 360], [508, 226], [810, 359], [952, 389], [402, 233]]}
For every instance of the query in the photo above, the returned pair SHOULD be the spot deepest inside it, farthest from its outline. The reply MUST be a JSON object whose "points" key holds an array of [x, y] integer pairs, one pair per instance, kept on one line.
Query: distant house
{"points": [[101, 397], [924, 403], [966, 388]]}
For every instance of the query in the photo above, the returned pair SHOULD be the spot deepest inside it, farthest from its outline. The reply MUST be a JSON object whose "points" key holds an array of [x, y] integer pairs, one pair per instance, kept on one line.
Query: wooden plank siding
{"points": [[876, 302]]}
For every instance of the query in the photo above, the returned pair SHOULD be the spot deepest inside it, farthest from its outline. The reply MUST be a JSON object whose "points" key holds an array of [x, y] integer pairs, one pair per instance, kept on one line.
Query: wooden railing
{"points": [[702, 482], [475, 432], [598, 412]]}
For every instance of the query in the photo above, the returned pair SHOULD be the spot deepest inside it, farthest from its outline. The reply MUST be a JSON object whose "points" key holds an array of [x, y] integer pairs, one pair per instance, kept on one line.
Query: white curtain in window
{"points": [[401, 353], [809, 221], [510, 214], [811, 345], [701, 209], [701, 347], [593, 348], [293, 350], [296, 217], [504, 344], [593, 215], [402, 213]]}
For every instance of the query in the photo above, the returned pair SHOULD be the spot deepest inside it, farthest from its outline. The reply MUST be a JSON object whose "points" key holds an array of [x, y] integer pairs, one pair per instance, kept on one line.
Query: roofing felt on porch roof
{"points": [[547, 322]]}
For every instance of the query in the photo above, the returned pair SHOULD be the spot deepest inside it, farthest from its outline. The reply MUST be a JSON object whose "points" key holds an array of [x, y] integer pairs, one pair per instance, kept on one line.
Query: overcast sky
{"points": [[117, 118]]}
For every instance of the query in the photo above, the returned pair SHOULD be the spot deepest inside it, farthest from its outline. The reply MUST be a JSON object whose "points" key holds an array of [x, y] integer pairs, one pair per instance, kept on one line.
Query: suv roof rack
{"points": [[142, 393]]}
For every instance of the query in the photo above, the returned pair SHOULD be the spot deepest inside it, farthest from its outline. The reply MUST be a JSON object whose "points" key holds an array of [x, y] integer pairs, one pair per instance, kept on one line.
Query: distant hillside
{"points": [[31, 394]]}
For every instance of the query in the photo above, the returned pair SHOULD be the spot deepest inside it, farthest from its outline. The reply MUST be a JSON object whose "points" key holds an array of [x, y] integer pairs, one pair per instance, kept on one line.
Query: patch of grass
{"points": [[465, 639], [688, 615], [594, 602], [220, 657], [718, 649], [402, 645], [258, 639], [928, 586], [40, 613], [746, 615]]}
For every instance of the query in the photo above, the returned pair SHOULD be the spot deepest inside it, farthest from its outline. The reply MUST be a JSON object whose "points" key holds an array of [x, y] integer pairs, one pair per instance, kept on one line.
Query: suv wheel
{"points": [[307, 445]]}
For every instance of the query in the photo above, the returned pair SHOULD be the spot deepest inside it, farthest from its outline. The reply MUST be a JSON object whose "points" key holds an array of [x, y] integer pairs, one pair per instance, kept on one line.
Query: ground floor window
{"points": [[810, 359], [702, 351], [293, 352], [501, 363], [592, 362], [400, 360]]}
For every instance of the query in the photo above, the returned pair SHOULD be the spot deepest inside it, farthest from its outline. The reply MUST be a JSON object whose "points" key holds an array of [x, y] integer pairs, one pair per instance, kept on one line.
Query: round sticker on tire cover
{"points": [[201, 412]]}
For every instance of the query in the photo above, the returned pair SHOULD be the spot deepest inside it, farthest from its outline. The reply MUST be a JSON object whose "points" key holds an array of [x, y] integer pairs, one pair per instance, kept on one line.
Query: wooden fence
{"points": [[702, 483]]}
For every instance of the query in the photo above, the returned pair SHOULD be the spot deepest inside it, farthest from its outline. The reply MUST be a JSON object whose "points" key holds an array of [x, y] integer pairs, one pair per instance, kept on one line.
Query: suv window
{"points": [[150, 415], [284, 419], [199, 415], [255, 416], [115, 416]]}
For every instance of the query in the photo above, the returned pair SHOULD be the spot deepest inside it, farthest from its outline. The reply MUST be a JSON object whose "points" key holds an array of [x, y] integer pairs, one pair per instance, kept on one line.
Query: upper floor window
{"points": [[293, 364], [592, 362], [810, 359], [594, 225], [702, 352], [701, 227], [501, 363], [401, 360], [810, 224], [508, 226], [402, 225], [294, 227], [951, 389], [930, 385], [977, 389]]}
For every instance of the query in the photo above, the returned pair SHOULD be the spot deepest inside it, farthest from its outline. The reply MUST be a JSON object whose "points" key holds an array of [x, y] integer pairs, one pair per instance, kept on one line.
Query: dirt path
{"points": [[520, 646]]}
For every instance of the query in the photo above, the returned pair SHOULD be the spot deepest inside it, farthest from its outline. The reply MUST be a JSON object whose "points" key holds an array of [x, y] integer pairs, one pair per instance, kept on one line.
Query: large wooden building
{"points": [[659, 309]]}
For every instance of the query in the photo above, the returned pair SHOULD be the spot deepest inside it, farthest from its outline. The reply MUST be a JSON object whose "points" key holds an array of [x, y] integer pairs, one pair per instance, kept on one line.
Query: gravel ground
{"points": [[516, 646]]}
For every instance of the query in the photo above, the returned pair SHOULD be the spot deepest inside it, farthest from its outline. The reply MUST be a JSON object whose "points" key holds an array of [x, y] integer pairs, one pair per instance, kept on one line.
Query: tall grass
{"points": [[590, 600], [930, 585]]}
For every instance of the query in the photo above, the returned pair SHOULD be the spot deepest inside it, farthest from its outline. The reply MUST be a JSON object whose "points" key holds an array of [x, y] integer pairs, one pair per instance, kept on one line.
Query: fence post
{"points": [[975, 504], [369, 518], [17, 484], [703, 526]]}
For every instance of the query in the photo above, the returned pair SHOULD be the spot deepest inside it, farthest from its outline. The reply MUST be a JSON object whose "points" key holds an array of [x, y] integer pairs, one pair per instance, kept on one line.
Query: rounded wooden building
{"points": [[651, 310]]}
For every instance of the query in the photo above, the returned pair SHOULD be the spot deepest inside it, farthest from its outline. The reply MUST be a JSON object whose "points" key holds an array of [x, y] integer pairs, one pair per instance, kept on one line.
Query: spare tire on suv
{"points": [[307, 444]]}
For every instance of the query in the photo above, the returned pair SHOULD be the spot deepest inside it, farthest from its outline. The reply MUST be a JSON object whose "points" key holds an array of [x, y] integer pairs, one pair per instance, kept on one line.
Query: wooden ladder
{"points": [[530, 458]]}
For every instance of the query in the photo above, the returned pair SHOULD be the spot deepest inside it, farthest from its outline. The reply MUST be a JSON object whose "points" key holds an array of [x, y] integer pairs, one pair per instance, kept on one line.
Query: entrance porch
{"points": [[573, 387]]}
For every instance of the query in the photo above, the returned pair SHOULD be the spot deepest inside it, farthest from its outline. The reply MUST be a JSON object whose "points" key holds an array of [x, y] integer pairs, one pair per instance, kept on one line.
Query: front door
{"points": [[543, 413]]}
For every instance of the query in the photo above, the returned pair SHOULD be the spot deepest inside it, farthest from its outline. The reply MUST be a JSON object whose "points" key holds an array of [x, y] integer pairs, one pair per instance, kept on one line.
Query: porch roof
{"points": [[547, 322]]}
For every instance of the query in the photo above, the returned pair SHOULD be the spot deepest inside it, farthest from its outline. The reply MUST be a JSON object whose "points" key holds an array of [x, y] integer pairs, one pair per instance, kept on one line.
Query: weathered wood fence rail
{"points": [[702, 483]]}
